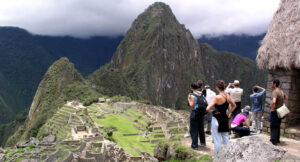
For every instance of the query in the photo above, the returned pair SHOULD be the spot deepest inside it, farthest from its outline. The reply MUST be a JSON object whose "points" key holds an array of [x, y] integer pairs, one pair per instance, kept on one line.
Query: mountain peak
{"points": [[159, 9], [61, 73]]}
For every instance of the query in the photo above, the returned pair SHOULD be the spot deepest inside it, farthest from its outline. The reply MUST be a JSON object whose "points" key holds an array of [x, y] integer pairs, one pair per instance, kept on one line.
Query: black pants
{"points": [[236, 111], [275, 128], [197, 128], [241, 131]]}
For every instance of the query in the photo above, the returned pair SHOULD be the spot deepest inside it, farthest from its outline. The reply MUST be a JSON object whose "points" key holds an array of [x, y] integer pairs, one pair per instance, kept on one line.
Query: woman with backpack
{"points": [[220, 122], [198, 104]]}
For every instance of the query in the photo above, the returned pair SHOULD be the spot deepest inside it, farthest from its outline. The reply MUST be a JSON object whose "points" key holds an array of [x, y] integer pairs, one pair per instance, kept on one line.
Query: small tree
{"points": [[109, 130]]}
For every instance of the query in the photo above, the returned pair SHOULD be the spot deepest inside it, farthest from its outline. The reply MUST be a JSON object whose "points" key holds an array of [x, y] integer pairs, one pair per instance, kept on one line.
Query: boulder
{"points": [[2, 157], [22, 144], [33, 141], [49, 139], [159, 153], [171, 152], [147, 157], [252, 148]]}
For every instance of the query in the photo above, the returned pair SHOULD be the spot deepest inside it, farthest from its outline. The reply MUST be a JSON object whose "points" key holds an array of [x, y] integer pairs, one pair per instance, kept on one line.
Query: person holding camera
{"points": [[236, 94], [257, 107]]}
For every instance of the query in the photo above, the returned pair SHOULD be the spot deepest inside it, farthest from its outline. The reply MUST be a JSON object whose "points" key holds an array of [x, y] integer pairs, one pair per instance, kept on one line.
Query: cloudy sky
{"points": [[84, 18]]}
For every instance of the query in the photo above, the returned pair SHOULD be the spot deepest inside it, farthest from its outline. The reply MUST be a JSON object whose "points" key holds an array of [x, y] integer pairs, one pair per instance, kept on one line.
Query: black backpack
{"points": [[202, 104]]}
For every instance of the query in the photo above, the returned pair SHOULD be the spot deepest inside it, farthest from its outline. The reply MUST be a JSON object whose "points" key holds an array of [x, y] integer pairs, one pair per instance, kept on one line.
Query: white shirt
{"points": [[209, 95], [235, 93]]}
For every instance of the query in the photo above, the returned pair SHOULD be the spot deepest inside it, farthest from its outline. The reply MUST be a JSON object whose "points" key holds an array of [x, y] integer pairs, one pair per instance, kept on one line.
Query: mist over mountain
{"points": [[242, 45]]}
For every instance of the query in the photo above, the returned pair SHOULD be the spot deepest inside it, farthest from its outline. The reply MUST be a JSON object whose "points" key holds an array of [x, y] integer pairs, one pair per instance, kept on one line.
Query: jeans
{"points": [[217, 136], [197, 129], [241, 131], [256, 116], [275, 128]]}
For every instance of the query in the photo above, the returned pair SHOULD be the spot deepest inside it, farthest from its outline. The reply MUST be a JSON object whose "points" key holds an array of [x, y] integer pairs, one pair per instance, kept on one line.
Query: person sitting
{"points": [[237, 124]]}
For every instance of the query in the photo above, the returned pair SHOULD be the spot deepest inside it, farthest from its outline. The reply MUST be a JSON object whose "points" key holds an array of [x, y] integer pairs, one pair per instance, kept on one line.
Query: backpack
{"points": [[201, 104]]}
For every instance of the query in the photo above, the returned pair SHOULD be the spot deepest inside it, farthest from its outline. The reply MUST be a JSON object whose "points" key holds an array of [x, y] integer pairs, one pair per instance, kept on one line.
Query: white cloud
{"points": [[83, 18]]}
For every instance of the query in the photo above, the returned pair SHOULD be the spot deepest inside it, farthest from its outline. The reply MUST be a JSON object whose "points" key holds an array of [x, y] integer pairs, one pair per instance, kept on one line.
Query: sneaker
{"points": [[258, 131], [202, 144]]}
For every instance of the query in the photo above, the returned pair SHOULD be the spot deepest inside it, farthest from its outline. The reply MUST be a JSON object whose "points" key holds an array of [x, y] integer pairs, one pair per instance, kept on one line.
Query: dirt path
{"points": [[291, 145]]}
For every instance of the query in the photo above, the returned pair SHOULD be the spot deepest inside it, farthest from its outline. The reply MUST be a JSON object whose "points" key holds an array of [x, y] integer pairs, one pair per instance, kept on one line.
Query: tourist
{"points": [[257, 107], [278, 99], [196, 118], [219, 122], [238, 122], [209, 96], [200, 89], [236, 94]]}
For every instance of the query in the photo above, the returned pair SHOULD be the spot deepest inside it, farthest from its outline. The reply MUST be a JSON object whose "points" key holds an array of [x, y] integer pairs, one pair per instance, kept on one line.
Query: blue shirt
{"points": [[257, 101]]}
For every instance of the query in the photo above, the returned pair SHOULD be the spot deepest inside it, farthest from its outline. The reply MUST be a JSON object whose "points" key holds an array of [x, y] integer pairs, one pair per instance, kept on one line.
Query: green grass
{"points": [[138, 119], [205, 158], [137, 113], [8, 152], [128, 143]]}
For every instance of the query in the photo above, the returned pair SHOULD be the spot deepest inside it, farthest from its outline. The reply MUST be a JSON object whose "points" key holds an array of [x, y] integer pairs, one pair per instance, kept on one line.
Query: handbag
{"points": [[282, 111]]}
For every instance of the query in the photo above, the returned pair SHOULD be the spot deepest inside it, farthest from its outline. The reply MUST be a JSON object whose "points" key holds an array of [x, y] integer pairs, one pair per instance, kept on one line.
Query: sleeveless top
{"points": [[222, 116]]}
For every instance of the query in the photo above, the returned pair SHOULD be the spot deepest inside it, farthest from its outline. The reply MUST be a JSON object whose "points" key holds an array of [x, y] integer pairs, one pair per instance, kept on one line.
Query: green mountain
{"points": [[26, 57], [61, 82], [159, 58]]}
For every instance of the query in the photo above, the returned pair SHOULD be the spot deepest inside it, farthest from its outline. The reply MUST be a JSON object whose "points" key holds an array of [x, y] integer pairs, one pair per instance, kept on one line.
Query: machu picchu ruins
{"points": [[76, 133]]}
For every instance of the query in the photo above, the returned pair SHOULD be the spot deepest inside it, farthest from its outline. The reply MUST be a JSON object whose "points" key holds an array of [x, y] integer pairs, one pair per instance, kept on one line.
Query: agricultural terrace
{"points": [[135, 131]]}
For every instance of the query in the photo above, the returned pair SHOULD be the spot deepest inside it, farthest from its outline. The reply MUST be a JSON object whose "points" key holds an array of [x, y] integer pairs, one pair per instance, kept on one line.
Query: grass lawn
{"points": [[128, 143]]}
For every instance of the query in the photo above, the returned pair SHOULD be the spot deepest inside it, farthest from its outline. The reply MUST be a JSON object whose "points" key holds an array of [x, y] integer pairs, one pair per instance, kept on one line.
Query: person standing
{"points": [[200, 89], [257, 107], [278, 99], [219, 121], [236, 94], [196, 118], [209, 96]]}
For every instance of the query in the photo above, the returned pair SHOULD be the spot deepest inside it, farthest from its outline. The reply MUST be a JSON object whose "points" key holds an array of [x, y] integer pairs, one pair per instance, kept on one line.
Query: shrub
{"points": [[147, 102], [119, 98], [109, 130]]}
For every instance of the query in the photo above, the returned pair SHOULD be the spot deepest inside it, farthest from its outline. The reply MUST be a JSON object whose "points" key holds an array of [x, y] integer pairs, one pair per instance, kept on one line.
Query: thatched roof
{"points": [[281, 46]]}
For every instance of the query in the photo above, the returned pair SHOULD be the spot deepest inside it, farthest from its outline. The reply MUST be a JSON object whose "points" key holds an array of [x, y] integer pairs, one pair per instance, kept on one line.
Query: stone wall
{"points": [[54, 156], [69, 158], [290, 85]]}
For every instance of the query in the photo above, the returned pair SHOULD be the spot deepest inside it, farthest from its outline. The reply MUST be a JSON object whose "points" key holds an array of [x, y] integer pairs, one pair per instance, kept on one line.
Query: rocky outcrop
{"points": [[252, 148], [22, 144], [49, 139], [2, 157]]}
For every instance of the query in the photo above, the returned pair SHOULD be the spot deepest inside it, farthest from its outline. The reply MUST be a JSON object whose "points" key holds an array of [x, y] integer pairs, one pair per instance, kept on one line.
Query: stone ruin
{"points": [[91, 146], [101, 100], [290, 126]]}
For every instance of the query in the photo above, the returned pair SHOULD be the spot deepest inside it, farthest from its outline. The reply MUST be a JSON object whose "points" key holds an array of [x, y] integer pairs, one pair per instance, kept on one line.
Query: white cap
{"points": [[236, 82]]}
